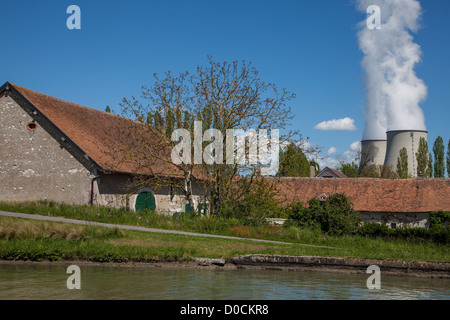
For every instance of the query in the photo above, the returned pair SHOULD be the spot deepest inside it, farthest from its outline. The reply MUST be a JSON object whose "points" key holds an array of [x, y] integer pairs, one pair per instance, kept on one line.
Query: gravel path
{"points": [[145, 229]]}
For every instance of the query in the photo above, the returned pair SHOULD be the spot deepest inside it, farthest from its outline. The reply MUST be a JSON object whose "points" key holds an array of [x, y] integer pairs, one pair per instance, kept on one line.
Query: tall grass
{"points": [[31, 230]]}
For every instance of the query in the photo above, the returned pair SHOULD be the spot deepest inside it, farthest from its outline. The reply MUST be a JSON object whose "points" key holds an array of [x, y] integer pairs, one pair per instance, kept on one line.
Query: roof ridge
{"points": [[65, 101]]}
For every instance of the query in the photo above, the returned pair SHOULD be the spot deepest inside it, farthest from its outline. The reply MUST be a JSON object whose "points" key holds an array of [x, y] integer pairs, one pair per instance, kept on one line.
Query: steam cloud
{"points": [[393, 91]]}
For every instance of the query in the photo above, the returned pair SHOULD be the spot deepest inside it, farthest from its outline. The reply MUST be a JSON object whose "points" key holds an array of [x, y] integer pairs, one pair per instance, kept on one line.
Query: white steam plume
{"points": [[393, 91]]}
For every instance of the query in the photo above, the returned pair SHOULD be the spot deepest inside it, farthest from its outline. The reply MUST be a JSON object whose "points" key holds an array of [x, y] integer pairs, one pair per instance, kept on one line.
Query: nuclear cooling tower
{"points": [[373, 152], [397, 140]]}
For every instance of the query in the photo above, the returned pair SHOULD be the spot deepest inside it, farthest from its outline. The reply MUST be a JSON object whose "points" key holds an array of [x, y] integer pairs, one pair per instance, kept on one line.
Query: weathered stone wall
{"points": [[398, 220], [348, 265], [33, 165], [115, 190]]}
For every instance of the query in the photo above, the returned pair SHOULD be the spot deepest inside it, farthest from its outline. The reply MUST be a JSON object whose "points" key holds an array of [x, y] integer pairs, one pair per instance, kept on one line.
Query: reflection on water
{"points": [[49, 282]]}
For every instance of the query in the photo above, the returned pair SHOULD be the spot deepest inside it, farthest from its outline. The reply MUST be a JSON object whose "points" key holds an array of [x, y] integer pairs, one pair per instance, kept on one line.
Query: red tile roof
{"points": [[373, 195], [95, 132]]}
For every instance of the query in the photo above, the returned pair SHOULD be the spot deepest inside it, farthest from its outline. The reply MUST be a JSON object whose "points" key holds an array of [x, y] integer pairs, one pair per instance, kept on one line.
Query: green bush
{"points": [[335, 216], [303, 217], [436, 234], [340, 218], [439, 219]]}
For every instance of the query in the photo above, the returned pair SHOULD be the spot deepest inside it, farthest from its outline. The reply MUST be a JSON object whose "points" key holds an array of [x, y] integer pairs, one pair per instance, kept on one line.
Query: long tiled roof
{"points": [[372, 195], [101, 135]]}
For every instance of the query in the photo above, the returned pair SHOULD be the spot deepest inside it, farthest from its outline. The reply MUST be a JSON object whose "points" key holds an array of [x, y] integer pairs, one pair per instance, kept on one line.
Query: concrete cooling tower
{"points": [[409, 139], [373, 152]]}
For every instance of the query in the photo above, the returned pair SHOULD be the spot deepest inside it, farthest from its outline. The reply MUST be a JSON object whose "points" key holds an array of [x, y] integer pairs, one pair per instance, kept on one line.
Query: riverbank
{"points": [[388, 267], [193, 236], [87, 242]]}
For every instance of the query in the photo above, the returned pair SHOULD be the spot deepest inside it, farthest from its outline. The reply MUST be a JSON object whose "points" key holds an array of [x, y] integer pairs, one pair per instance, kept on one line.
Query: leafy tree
{"points": [[402, 164], [351, 170], [334, 216], [158, 120], [340, 217], [307, 217], [293, 162], [429, 172], [439, 158], [423, 160], [448, 158], [108, 109]]}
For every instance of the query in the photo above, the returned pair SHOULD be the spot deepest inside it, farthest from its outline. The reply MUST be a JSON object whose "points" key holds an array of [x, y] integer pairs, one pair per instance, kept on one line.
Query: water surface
{"points": [[44, 282]]}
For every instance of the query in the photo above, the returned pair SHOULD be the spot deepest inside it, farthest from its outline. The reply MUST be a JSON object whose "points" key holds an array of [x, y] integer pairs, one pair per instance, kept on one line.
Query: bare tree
{"points": [[234, 97], [222, 96], [151, 145]]}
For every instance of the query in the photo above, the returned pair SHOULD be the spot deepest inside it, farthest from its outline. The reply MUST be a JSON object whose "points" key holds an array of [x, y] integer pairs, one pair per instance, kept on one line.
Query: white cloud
{"points": [[331, 151], [352, 152], [355, 146], [328, 162], [333, 159], [346, 124]]}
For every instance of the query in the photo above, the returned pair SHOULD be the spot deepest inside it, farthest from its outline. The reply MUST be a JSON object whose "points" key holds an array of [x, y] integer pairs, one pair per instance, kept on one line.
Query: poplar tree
{"points": [[439, 158], [170, 123], [429, 172], [402, 164], [293, 162], [448, 158], [423, 161]]}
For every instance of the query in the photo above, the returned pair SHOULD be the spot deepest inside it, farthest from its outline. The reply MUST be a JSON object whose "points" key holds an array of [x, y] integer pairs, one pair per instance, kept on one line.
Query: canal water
{"points": [[49, 282]]}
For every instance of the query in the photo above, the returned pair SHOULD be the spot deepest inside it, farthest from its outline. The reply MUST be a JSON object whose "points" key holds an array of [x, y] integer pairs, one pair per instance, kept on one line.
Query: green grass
{"points": [[36, 240]]}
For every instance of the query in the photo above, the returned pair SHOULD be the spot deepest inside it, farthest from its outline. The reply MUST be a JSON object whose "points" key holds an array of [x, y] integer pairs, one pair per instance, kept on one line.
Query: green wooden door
{"points": [[145, 200]]}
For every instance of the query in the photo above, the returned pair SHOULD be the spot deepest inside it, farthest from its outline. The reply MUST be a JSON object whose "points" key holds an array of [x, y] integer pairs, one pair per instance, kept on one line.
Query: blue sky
{"points": [[307, 46]]}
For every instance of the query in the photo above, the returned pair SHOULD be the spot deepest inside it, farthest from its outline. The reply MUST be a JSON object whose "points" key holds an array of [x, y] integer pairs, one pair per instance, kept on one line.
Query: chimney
{"points": [[312, 169]]}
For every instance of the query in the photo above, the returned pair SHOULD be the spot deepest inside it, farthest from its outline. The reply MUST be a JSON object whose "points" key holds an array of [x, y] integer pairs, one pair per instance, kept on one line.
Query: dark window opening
{"points": [[32, 126]]}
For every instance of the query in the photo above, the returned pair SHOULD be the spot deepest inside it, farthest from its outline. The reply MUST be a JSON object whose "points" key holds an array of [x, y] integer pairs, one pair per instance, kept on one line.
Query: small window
{"points": [[31, 126]]}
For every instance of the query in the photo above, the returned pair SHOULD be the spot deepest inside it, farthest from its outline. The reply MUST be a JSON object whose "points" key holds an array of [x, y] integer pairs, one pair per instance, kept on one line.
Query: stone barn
{"points": [[60, 151]]}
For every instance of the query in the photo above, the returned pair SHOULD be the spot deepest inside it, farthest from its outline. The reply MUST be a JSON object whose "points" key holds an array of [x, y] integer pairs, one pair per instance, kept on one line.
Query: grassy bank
{"points": [[34, 240]]}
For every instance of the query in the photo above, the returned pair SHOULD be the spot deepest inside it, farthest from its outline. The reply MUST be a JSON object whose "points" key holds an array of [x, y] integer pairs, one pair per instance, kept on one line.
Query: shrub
{"points": [[440, 235], [439, 219], [340, 218], [335, 216], [305, 217], [252, 202]]}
